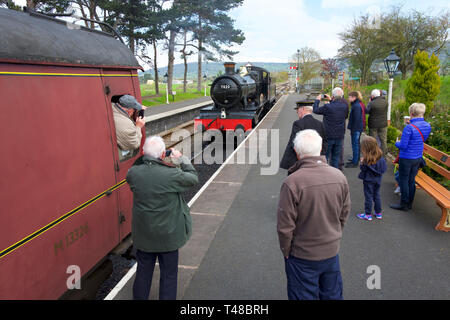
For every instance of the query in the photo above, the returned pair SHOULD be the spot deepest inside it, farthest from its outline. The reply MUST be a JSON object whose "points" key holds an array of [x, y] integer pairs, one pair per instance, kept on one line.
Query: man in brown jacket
{"points": [[314, 205]]}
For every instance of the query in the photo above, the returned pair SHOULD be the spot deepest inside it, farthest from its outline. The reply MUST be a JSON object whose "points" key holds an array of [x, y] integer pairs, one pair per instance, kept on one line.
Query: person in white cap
{"points": [[128, 132]]}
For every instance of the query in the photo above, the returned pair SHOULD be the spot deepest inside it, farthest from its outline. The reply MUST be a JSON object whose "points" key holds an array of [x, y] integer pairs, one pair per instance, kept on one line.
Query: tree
{"points": [[330, 68], [425, 83], [185, 53], [309, 62], [408, 33], [361, 46], [131, 18], [10, 5], [213, 29]]}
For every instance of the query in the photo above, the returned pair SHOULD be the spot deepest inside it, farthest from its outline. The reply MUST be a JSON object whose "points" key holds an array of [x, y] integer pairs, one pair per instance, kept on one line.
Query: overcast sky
{"points": [[275, 29]]}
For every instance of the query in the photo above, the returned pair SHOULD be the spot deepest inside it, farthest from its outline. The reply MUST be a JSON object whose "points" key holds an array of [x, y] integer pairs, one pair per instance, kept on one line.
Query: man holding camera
{"points": [[334, 114], [128, 132], [161, 220]]}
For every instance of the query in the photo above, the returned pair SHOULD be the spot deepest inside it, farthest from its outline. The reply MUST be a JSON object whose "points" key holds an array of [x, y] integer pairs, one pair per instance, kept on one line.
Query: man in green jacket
{"points": [[161, 220]]}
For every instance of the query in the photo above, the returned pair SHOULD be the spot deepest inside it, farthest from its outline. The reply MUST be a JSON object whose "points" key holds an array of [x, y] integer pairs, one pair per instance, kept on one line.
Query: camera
{"points": [[168, 153], [141, 113]]}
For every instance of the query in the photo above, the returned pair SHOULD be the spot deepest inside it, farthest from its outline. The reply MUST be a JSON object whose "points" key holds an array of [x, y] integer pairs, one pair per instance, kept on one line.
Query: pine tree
{"points": [[425, 83]]}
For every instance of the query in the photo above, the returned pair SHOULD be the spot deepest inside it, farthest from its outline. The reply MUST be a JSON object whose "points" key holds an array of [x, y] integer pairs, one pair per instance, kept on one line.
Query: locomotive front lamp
{"points": [[391, 64]]}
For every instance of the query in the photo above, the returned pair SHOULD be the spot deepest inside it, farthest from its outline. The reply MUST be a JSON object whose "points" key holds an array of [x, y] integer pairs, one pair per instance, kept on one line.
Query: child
{"points": [[373, 165], [396, 175]]}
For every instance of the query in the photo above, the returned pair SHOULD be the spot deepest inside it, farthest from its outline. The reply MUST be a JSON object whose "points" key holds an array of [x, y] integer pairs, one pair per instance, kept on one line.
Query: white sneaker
{"points": [[397, 191]]}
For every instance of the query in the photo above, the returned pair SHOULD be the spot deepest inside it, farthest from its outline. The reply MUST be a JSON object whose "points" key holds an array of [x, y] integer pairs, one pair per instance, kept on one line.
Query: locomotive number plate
{"points": [[225, 86]]}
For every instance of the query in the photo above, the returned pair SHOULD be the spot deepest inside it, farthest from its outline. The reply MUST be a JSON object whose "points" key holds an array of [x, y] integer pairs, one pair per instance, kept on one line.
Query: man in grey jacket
{"points": [[313, 207]]}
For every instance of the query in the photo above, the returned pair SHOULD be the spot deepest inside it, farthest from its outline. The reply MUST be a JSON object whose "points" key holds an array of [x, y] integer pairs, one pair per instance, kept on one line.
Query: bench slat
{"points": [[436, 154], [441, 170], [441, 194]]}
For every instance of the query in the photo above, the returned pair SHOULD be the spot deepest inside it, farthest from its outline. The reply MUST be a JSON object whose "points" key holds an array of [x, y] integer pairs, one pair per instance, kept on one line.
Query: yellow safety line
{"points": [[66, 74]]}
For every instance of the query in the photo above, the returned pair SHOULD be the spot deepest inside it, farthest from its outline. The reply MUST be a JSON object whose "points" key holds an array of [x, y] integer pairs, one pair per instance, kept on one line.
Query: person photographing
{"points": [[161, 222]]}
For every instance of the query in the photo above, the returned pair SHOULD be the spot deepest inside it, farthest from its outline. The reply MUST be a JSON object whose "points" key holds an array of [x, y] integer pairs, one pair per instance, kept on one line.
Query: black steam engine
{"points": [[240, 98]]}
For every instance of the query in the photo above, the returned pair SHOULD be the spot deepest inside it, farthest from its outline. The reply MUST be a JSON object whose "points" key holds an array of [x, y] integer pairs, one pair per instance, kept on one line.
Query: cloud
{"points": [[336, 4], [274, 30]]}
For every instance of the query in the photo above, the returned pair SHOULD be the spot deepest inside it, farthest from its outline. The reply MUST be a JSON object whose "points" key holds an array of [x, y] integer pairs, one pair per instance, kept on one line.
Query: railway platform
{"points": [[163, 108], [234, 251]]}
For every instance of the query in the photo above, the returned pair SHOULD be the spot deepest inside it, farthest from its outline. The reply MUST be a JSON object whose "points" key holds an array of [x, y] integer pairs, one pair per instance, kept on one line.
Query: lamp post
{"points": [[204, 79], [166, 76], [296, 71], [391, 64]]}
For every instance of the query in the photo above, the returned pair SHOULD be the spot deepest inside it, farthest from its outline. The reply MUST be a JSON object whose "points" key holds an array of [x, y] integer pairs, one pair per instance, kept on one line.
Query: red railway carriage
{"points": [[62, 196]]}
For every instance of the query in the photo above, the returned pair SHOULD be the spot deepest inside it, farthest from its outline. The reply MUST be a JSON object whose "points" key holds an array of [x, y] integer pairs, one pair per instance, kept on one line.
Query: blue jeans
{"points": [[355, 146], [372, 196], [313, 280], [334, 152], [168, 265], [407, 171]]}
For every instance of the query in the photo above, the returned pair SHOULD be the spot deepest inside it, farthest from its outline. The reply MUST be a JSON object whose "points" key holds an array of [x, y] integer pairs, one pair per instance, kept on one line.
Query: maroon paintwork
{"points": [[58, 151]]}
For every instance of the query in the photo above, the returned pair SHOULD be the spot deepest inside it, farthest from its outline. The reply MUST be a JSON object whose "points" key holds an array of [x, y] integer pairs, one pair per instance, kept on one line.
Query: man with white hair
{"points": [[306, 121], [313, 208], [334, 115], [377, 123], [161, 221]]}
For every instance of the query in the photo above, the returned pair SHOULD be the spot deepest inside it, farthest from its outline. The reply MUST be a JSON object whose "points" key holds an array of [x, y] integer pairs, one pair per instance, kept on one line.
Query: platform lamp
{"points": [[166, 77], [204, 79], [391, 64]]}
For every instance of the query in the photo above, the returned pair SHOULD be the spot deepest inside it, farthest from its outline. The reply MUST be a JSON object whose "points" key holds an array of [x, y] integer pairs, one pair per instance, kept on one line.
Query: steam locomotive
{"points": [[241, 99]]}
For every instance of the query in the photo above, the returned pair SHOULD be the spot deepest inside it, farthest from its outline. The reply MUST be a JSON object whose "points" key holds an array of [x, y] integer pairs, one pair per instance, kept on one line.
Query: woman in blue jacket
{"points": [[411, 145]]}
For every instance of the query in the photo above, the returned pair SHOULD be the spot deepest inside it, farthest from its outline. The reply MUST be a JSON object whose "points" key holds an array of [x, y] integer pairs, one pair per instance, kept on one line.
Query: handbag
{"points": [[423, 163]]}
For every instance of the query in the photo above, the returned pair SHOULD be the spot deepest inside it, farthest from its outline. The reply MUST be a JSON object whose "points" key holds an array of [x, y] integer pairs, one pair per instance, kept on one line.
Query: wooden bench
{"points": [[434, 189]]}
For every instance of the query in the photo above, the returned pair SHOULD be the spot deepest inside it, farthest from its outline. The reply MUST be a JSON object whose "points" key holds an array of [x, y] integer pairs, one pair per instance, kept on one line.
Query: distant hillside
{"points": [[213, 68]]}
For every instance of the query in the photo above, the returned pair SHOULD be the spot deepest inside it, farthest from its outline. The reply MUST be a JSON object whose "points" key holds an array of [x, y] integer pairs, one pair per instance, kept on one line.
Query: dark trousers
{"points": [[356, 135], [313, 280], [372, 196], [407, 171], [168, 265], [334, 152]]}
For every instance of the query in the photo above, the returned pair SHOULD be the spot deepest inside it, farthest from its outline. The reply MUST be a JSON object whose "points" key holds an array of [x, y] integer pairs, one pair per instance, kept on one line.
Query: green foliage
{"points": [[392, 134], [425, 83], [440, 134]]}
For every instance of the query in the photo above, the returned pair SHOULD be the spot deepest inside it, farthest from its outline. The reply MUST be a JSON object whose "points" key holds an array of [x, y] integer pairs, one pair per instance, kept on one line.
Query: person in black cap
{"points": [[306, 121], [128, 131]]}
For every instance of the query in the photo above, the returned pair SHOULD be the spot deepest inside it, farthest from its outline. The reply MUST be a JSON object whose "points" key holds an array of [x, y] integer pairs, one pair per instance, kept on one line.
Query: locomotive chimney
{"points": [[229, 67]]}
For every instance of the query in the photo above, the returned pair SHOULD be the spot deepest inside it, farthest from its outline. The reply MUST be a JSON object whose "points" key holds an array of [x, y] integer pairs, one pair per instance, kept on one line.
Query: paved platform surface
{"points": [[234, 251], [174, 105]]}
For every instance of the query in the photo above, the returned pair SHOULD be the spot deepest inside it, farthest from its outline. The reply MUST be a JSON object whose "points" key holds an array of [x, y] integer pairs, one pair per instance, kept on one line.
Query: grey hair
{"points": [[375, 93], [154, 146], [308, 143], [337, 93], [417, 109]]}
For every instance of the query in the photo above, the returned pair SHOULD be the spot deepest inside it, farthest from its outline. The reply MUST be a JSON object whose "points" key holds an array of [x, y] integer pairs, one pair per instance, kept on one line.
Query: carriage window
{"points": [[127, 134]]}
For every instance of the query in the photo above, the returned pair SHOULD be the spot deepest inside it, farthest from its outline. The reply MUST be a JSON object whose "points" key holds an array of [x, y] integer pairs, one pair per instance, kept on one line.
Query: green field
{"points": [[150, 99]]}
